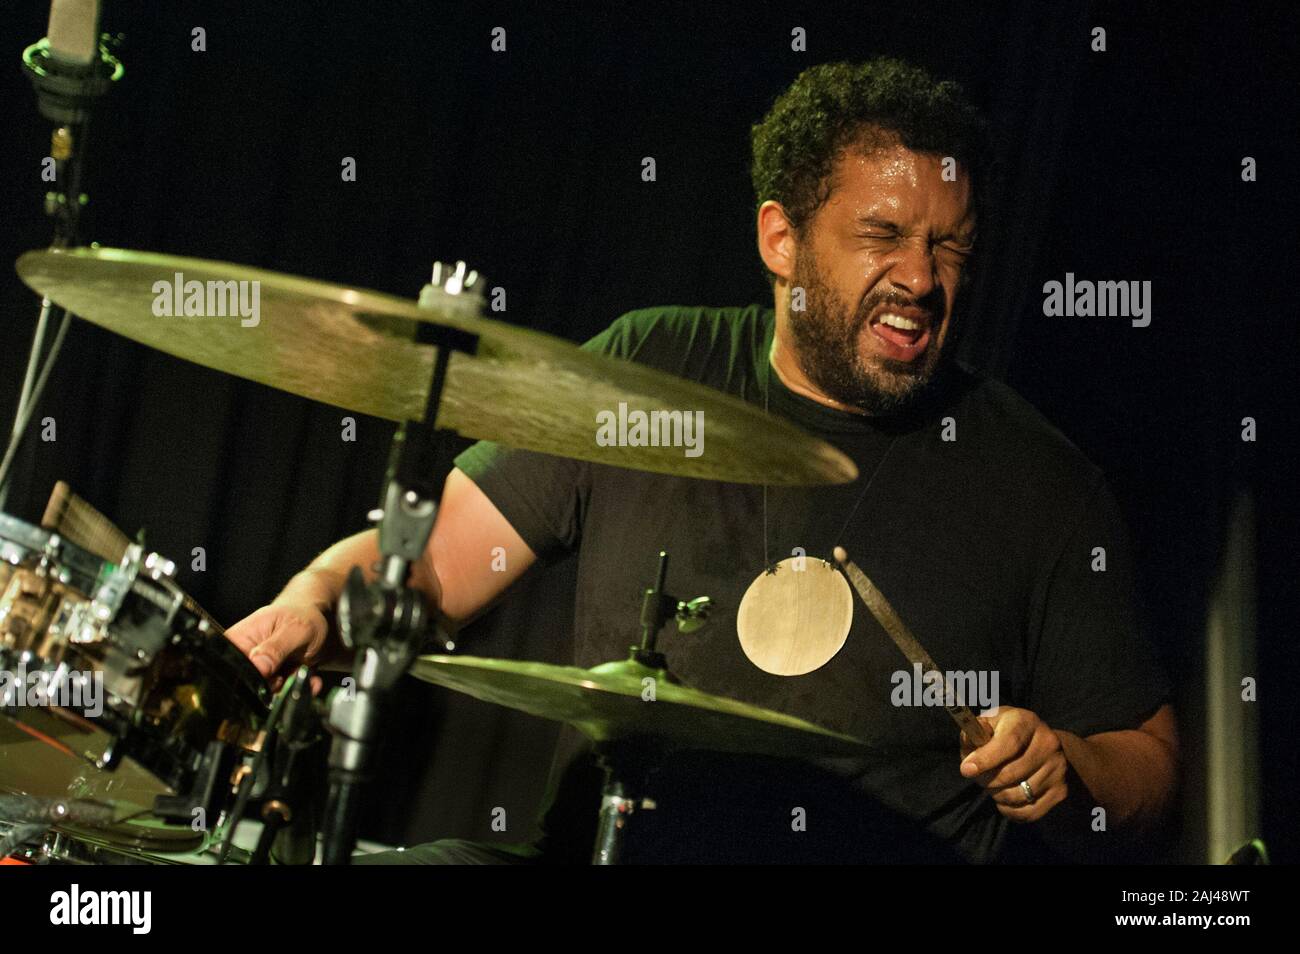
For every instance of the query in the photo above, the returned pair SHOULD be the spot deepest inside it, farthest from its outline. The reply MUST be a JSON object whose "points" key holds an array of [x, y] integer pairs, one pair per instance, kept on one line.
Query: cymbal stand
{"points": [[628, 762], [385, 621]]}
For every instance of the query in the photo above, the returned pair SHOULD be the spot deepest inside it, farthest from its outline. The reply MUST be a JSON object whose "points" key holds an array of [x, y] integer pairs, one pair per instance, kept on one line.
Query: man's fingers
{"points": [[1031, 813], [243, 638], [248, 632], [1042, 745], [315, 683], [267, 657], [967, 746], [274, 637], [282, 646], [285, 648], [1010, 737], [1022, 749], [1040, 782]]}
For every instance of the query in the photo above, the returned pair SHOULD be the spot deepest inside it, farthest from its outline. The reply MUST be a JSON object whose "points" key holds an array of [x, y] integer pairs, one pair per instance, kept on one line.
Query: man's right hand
{"points": [[473, 555], [278, 637]]}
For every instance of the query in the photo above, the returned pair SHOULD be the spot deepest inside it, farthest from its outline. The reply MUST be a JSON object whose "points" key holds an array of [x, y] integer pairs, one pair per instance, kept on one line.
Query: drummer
{"points": [[991, 534]]}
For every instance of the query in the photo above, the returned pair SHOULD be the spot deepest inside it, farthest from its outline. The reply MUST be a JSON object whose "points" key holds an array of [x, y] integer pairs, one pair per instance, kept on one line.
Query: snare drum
{"points": [[121, 681]]}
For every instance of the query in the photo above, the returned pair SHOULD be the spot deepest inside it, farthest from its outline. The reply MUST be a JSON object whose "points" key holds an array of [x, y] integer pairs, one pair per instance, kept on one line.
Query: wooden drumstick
{"points": [[911, 647], [72, 518]]}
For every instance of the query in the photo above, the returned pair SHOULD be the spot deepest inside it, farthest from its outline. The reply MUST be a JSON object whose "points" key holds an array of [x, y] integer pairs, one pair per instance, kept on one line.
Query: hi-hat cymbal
{"points": [[608, 703], [353, 348]]}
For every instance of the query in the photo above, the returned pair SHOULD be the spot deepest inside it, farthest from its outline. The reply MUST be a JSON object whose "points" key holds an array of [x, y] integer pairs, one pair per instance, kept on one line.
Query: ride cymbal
{"points": [[354, 348]]}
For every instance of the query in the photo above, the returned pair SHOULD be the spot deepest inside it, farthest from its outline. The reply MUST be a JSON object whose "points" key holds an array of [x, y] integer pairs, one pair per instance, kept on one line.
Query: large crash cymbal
{"points": [[608, 703], [353, 348]]}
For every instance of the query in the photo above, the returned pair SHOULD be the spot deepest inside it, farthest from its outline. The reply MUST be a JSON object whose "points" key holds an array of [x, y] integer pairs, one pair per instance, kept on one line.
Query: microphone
{"points": [[70, 67], [73, 33]]}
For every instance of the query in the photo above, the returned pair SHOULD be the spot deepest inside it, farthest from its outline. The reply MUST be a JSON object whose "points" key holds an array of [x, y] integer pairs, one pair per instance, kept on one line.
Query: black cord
{"points": [[767, 389]]}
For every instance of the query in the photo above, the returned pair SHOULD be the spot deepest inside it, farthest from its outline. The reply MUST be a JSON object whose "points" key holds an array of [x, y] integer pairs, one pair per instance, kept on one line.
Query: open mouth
{"points": [[902, 333]]}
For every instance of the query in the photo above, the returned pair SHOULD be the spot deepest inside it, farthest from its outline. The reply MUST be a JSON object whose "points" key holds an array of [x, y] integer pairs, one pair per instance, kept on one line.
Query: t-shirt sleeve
{"points": [[1093, 670], [542, 496]]}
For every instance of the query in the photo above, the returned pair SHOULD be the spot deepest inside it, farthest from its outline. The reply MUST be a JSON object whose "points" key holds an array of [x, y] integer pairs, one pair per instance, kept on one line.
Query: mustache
{"points": [[874, 301]]}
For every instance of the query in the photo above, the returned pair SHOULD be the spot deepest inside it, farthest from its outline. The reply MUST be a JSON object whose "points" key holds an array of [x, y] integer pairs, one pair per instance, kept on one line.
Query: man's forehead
{"points": [[895, 179]]}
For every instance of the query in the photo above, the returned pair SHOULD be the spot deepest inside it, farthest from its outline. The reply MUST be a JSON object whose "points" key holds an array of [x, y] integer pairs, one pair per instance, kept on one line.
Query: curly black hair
{"points": [[834, 106]]}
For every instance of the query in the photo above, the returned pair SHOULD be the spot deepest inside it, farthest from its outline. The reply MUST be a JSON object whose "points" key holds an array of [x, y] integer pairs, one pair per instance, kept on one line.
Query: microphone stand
{"points": [[386, 621], [65, 93]]}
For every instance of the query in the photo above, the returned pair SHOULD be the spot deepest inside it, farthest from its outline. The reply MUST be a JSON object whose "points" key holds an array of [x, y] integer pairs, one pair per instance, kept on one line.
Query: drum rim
{"points": [[41, 543], [25, 546]]}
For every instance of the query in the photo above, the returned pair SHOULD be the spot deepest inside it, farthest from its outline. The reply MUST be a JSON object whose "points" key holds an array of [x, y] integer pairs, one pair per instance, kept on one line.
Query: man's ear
{"points": [[776, 239]]}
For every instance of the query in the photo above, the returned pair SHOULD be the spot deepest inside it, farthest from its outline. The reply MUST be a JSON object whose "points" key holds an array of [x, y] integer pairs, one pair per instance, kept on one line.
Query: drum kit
{"points": [[133, 732], [182, 738]]}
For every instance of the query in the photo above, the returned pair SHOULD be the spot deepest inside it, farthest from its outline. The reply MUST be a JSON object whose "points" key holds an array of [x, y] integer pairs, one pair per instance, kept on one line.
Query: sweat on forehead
{"points": [[873, 186], [879, 146]]}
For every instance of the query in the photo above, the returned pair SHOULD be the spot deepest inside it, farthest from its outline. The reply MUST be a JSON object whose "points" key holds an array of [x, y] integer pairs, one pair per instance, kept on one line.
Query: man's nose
{"points": [[912, 268]]}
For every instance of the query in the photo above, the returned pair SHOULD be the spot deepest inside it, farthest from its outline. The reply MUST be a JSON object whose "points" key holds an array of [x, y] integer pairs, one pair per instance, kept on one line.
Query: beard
{"points": [[826, 336]]}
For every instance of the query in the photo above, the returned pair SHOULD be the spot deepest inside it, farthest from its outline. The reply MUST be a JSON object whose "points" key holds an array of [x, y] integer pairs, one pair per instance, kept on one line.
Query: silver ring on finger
{"points": [[1029, 792]]}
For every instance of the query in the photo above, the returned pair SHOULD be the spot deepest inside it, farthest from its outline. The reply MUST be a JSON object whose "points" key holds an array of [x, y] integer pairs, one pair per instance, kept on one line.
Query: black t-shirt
{"points": [[980, 527]]}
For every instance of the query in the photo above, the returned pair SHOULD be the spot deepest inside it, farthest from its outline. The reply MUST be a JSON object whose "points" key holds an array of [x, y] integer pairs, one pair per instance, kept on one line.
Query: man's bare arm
{"points": [[456, 576], [1132, 773], [1056, 780]]}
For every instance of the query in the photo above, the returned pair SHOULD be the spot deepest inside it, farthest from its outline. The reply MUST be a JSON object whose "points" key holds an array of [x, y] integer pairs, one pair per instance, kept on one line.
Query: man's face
{"points": [[880, 264]]}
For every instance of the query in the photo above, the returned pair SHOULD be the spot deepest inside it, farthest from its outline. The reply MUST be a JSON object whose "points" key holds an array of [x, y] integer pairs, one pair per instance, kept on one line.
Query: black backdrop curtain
{"points": [[1120, 165]]}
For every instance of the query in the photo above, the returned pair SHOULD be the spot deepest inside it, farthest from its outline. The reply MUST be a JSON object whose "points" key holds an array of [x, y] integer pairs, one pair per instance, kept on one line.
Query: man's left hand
{"points": [[1023, 749]]}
